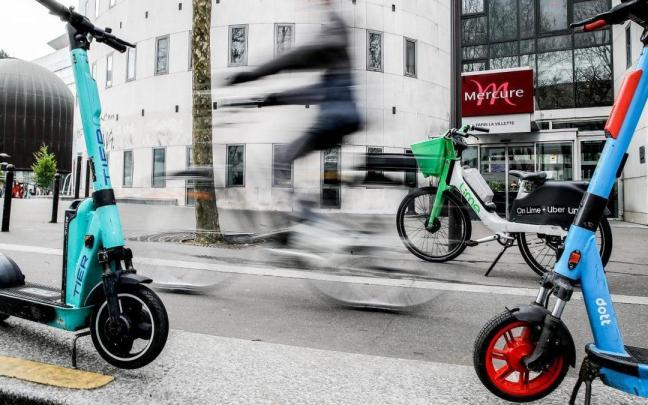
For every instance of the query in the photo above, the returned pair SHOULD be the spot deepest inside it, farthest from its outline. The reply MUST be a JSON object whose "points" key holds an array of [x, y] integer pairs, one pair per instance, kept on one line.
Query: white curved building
{"points": [[146, 95]]}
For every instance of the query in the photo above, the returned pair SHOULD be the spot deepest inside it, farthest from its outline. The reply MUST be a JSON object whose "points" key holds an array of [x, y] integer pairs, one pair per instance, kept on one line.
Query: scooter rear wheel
{"points": [[141, 334], [498, 358]]}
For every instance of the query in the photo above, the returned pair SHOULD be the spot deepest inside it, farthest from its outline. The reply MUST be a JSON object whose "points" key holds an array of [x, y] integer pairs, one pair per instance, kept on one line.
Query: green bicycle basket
{"points": [[431, 155]]}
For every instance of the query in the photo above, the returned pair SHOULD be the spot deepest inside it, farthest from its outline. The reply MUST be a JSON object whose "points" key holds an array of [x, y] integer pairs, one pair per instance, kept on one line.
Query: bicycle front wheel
{"points": [[442, 241]]}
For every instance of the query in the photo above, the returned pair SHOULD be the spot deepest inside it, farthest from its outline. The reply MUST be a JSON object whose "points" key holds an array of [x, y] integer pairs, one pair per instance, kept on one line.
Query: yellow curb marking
{"points": [[51, 375]]}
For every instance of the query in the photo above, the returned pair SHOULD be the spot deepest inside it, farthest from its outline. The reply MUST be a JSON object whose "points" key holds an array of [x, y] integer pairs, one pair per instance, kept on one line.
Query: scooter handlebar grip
{"points": [[596, 25]]}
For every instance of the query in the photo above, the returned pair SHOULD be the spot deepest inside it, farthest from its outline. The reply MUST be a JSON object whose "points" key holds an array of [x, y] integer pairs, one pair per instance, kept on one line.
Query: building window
{"points": [[109, 70], [162, 55], [331, 178], [410, 57], [628, 41], [190, 186], [411, 177], [128, 169], [374, 176], [112, 3], [131, 64], [190, 61], [284, 38], [472, 6], [282, 171], [159, 168], [556, 158], [238, 45], [572, 70], [97, 7], [594, 81], [235, 165], [502, 20], [553, 15], [375, 51]]}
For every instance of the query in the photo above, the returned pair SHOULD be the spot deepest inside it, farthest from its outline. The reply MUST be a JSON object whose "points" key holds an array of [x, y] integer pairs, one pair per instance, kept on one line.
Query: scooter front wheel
{"points": [[141, 333], [498, 358]]}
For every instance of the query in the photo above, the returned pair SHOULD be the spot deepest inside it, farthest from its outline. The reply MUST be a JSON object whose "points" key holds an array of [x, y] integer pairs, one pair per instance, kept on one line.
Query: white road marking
{"points": [[316, 276]]}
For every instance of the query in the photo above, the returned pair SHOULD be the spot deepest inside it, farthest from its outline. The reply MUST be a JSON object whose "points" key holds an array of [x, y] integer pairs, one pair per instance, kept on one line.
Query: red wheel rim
{"points": [[505, 368]]}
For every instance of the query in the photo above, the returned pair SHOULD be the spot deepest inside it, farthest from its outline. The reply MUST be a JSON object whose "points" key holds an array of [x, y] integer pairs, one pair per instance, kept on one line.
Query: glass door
{"points": [[590, 155], [493, 169], [496, 163]]}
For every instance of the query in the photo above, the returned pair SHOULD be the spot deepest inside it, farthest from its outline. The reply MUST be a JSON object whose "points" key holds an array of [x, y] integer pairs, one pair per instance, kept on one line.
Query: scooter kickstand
{"points": [[81, 334], [587, 374], [506, 245]]}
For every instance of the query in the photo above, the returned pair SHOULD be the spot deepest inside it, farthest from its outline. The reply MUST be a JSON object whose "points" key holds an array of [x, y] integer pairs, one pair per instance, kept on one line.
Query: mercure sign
{"points": [[497, 92]]}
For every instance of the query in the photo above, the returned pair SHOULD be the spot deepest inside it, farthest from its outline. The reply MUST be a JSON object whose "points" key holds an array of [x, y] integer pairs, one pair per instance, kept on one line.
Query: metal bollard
{"points": [[8, 195], [77, 184], [55, 198], [87, 179]]}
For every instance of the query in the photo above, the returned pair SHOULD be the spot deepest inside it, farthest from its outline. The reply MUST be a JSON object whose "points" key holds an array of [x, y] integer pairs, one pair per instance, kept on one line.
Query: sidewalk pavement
{"points": [[202, 369]]}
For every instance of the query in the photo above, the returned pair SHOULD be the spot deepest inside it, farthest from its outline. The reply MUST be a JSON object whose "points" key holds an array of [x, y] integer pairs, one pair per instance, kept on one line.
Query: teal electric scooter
{"points": [[101, 290]]}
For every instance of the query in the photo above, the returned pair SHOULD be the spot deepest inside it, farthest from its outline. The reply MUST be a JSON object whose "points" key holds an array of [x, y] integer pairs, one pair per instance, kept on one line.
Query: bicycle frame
{"points": [[491, 220], [589, 271]]}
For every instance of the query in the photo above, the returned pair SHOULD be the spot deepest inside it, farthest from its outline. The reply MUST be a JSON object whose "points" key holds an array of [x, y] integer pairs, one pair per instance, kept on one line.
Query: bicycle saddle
{"points": [[533, 176]]}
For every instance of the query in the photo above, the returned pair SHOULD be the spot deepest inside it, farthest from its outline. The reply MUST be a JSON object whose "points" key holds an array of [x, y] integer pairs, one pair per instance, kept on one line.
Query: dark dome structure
{"points": [[36, 108]]}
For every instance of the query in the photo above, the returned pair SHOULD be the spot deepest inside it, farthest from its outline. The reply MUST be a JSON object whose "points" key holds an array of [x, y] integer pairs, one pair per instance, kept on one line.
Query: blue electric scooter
{"points": [[523, 354], [101, 290]]}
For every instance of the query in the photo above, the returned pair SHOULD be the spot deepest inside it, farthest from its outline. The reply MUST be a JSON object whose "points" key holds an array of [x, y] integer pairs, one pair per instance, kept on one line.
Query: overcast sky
{"points": [[26, 28]]}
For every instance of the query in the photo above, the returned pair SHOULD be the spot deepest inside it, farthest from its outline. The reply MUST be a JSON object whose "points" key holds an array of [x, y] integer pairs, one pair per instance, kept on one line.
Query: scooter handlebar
{"points": [[83, 24], [57, 9]]}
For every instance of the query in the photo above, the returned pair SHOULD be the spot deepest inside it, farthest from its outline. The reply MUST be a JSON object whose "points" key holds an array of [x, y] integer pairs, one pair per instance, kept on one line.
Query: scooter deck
{"points": [[627, 365], [32, 302]]}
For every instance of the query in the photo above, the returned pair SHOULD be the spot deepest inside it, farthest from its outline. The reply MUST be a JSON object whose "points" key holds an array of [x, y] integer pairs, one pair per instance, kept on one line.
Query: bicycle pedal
{"points": [[472, 243]]}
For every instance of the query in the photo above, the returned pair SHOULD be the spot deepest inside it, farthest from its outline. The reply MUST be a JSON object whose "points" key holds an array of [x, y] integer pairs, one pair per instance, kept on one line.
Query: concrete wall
{"points": [[422, 103]]}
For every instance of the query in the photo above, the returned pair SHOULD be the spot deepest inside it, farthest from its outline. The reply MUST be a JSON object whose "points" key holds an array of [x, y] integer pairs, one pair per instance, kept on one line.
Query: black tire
{"points": [[541, 260], [139, 304], [529, 388], [415, 208]]}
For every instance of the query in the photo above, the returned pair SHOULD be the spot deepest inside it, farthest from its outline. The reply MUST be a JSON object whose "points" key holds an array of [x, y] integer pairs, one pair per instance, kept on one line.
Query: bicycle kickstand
{"points": [[74, 346], [506, 245], [587, 374]]}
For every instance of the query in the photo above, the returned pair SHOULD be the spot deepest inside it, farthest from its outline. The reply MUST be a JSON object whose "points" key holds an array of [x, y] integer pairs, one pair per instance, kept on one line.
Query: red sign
{"points": [[497, 93]]}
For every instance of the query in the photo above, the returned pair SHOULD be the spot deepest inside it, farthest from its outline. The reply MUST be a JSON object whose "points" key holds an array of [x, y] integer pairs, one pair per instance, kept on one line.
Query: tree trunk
{"points": [[208, 227]]}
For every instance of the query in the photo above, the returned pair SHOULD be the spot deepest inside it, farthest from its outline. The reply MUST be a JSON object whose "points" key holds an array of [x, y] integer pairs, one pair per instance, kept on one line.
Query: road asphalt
{"points": [[262, 333]]}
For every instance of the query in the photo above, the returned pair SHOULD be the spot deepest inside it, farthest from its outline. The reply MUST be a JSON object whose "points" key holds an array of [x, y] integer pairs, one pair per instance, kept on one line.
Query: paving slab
{"points": [[201, 369]]}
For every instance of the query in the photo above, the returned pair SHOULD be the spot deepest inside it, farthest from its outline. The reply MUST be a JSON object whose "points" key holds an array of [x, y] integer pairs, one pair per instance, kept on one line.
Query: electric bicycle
{"points": [[524, 353], [434, 222], [100, 287]]}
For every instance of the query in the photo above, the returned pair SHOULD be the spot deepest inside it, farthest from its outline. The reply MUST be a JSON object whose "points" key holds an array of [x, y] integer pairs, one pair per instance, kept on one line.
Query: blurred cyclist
{"points": [[338, 114]]}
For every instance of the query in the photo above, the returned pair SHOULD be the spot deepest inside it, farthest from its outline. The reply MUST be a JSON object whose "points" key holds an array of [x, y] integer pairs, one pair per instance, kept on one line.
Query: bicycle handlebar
{"points": [[83, 25]]}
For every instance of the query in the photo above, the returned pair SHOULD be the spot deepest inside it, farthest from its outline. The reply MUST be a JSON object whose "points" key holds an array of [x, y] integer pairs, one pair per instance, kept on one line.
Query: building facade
{"points": [[574, 84], [627, 50], [401, 54]]}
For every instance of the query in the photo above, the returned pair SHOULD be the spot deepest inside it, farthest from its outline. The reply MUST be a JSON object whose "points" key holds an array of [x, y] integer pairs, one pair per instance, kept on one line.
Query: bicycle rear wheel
{"points": [[541, 251], [446, 239]]}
